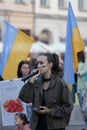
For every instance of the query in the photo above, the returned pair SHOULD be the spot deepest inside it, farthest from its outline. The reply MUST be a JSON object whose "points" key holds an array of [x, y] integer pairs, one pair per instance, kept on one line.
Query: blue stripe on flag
{"points": [[7, 44], [68, 63]]}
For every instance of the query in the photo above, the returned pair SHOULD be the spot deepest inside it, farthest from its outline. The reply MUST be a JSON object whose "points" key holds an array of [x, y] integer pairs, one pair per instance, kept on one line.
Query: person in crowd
{"points": [[33, 63], [41, 45], [61, 59], [61, 64], [74, 88], [1, 78], [45, 43], [21, 122], [50, 96], [45, 37], [82, 70], [24, 69]]}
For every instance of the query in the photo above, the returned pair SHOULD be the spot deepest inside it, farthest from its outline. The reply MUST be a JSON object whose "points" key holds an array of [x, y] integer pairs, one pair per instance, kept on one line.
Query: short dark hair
{"points": [[23, 117], [81, 56]]}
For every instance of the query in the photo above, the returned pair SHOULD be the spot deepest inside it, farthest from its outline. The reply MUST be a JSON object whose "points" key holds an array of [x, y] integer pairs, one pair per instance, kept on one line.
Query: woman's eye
{"points": [[40, 63]]}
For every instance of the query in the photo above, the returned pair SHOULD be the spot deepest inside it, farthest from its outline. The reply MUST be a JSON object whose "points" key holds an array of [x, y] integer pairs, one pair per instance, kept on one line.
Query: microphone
{"points": [[30, 75]]}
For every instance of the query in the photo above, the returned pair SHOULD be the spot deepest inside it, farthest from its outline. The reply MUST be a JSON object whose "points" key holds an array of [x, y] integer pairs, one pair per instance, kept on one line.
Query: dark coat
{"points": [[58, 100]]}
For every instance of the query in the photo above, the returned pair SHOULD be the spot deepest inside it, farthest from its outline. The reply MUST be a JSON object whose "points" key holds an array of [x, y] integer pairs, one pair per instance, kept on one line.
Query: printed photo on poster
{"points": [[10, 104]]}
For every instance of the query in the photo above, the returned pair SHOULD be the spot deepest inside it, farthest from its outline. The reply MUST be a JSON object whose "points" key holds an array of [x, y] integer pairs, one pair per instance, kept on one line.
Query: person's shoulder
{"points": [[34, 45], [26, 127], [41, 47], [61, 80], [37, 43], [17, 128]]}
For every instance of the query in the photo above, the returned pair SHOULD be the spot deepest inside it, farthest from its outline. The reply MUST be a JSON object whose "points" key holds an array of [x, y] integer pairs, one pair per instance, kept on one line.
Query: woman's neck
{"points": [[47, 75], [20, 126]]}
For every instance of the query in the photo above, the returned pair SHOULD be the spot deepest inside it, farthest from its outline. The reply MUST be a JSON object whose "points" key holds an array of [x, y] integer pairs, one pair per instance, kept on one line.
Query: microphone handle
{"points": [[29, 76]]}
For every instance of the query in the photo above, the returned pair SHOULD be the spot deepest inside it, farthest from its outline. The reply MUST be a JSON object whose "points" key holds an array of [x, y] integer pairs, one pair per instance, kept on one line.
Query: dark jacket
{"points": [[58, 100]]}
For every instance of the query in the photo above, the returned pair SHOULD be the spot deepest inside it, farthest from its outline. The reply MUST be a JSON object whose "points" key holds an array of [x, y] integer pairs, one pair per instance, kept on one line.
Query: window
{"points": [[62, 40], [1, 1], [20, 1], [44, 3], [62, 4], [83, 5], [85, 42]]}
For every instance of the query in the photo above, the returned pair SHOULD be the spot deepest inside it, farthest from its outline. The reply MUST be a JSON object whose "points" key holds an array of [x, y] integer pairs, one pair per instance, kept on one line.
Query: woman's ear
{"points": [[22, 121], [51, 64]]}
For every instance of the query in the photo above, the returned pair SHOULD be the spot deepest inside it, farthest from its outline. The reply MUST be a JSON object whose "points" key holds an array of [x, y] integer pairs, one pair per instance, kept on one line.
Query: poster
{"points": [[10, 105]]}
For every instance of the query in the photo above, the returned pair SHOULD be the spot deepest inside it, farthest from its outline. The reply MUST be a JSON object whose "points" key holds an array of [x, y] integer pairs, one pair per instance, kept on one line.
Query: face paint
{"points": [[43, 66]]}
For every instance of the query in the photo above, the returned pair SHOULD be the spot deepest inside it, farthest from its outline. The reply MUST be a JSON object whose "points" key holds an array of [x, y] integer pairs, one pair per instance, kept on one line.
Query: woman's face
{"points": [[25, 69], [43, 65], [18, 121]]}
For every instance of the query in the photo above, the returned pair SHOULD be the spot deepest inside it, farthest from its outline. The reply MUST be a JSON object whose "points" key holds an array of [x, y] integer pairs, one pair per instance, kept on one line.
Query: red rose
{"points": [[20, 109], [17, 101]]}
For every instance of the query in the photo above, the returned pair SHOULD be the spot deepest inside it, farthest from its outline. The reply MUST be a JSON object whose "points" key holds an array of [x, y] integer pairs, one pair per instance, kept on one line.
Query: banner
{"points": [[10, 104]]}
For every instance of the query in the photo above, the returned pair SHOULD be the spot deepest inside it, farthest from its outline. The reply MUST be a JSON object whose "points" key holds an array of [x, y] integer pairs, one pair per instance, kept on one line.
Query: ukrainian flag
{"points": [[16, 46], [74, 44]]}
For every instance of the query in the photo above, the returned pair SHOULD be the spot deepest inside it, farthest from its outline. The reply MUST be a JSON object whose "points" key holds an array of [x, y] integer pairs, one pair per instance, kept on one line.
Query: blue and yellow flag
{"points": [[74, 44], [16, 46]]}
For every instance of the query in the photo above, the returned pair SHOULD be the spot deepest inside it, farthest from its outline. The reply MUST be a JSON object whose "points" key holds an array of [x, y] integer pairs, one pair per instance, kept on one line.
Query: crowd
{"points": [[51, 99]]}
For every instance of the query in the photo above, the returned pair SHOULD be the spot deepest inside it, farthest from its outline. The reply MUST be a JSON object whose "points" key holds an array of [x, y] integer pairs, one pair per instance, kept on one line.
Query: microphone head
{"points": [[30, 75]]}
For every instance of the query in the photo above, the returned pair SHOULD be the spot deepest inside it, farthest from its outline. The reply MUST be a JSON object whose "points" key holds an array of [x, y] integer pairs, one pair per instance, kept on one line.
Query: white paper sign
{"points": [[9, 90]]}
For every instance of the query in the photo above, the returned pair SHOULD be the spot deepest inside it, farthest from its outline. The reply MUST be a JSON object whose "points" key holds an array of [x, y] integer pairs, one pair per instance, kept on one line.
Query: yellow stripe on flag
{"points": [[77, 44], [19, 51]]}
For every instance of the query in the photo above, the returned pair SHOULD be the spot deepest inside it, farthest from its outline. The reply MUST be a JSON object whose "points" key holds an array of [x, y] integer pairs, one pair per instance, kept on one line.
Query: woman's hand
{"points": [[43, 110], [78, 73], [33, 78]]}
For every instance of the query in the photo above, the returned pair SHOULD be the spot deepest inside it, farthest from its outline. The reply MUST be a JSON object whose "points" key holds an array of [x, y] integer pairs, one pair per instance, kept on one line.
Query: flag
{"points": [[16, 46], [74, 44]]}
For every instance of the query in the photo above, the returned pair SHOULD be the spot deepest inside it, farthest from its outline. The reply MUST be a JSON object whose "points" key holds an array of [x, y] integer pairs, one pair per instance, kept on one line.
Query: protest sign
{"points": [[10, 104]]}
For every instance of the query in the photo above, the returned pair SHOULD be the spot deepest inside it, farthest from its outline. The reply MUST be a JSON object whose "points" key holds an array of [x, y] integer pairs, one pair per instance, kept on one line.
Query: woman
{"points": [[24, 70], [52, 103], [82, 70]]}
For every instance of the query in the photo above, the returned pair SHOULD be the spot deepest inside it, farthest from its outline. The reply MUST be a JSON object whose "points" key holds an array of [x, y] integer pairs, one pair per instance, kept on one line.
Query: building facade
{"points": [[32, 16], [52, 14], [19, 13]]}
